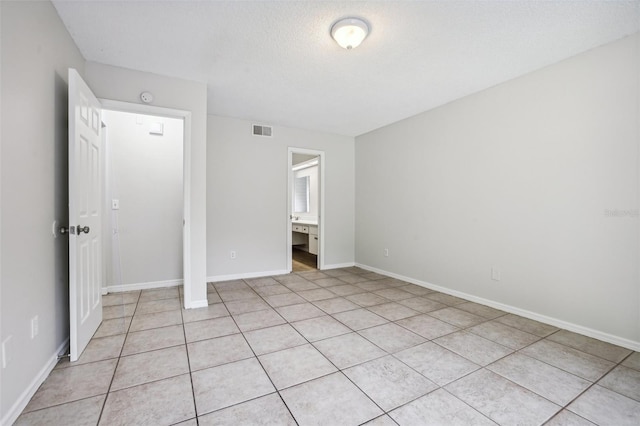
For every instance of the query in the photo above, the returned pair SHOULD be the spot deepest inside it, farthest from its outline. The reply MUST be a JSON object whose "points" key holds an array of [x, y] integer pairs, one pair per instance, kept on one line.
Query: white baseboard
{"points": [[17, 408], [141, 286], [338, 265], [218, 278], [576, 328]]}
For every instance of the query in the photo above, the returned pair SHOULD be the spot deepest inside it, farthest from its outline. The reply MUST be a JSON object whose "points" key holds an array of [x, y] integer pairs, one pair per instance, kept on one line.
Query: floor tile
{"points": [[457, 317], [391, 337], [359, 319], [78, 382], [272, 290], [504, 335], [383, 420], [123, 298], [438, 408], [345, 290], [99, 349], [393, 311], [118, 311], [353, 278], [527, 325], [266, 410], [623, 380], [284, 299], [84, 412], [156, 320], [157, 338], [213, 298], [300, 285], [367, 299], [163, 402], [215, 310], [416, 289], [567, 418], [437, 363], [209, 329], [300, 312], [348, 350], [159, 293], [274, 339], [501, 400], [388, 382], [246, 305], [633, 361], [190, 422], [316, 294], [474, 348], [373, 276], [329, 282], [259, 319], [313, 275], [394, 294], [158, 306], [445, 298], [295, 365], [393, 282], [229, 384], [371, 285], [329, 400], [605, 407], [230, 285], [221, 350], [336, 272], [114, 326], [568, 359], [481, 310], [591, 346], [239, 294], [261, 282], [319, 328], [335, 305], [427, 327], [150, 366], [550, 382], [422, 304]]}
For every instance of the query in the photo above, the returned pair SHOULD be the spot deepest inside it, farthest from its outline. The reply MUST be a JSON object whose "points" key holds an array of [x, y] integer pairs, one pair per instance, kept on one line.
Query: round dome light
{"points": [[349, 32]]}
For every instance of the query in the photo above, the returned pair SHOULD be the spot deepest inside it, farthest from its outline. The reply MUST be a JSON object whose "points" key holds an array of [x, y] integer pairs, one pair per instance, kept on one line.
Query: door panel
{"points": [[85, 248]]}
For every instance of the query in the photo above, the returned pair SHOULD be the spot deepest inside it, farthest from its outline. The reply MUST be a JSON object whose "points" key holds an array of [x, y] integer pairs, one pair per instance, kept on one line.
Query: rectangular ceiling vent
{"points": [[262, 130]]}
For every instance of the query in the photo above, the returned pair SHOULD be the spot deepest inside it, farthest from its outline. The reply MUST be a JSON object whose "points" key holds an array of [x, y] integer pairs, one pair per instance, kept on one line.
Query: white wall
{"points": [[247, 197], [125, 85], [145, 176], [314, 188], [518, 177], [36, 52]]}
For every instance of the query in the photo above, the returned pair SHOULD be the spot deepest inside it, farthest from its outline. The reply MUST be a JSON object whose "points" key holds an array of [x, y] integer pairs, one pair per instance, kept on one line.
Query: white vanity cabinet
{"points": [[313, 239], [305, 234]]}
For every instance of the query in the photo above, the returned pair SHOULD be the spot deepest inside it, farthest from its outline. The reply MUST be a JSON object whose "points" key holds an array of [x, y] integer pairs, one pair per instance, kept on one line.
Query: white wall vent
{"points": [[262, 130]]}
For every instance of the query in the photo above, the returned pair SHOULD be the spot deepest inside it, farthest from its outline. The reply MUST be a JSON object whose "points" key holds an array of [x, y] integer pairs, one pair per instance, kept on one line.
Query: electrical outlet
{"points": [[6, 354], [232, 254], [386, 252], [115, 204], [496, 275], [34, 327]]}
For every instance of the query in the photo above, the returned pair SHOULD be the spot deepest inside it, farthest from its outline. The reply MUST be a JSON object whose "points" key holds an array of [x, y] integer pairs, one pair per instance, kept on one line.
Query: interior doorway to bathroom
{"points": [[305, 245]]}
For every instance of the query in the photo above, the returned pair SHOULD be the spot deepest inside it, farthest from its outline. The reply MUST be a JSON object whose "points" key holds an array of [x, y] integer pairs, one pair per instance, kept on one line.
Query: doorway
{"points": [[305, 207], [143, 201]]}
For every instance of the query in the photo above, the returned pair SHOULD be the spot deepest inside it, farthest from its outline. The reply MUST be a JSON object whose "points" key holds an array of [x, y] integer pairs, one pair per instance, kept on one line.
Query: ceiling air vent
{"points": [[261, 130]]}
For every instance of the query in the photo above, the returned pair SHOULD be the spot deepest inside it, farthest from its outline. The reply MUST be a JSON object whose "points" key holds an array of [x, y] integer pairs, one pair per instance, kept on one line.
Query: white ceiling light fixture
{"points": [[349, 32]]}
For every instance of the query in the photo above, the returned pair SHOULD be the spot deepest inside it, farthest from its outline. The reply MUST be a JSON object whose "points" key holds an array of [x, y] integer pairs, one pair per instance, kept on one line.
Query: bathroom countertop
{"points": [[304, 222]]}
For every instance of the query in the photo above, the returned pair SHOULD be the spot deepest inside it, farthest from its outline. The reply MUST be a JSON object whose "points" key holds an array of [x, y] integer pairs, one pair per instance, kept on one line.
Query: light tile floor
{"points": [[339, 347]]}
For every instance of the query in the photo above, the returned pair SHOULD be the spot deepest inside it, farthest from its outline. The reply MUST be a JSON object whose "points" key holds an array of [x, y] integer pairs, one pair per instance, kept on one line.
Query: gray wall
{"points": [[521, 177], [145, 175], [36, 53], [247, 197]]}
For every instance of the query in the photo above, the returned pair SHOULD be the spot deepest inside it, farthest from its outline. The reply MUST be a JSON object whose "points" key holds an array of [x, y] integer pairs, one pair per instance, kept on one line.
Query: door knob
{"points": [[81, 229]]}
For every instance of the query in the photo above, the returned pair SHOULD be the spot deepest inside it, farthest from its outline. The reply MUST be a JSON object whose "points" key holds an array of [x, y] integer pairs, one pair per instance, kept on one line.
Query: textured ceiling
{"points": [[274, 61]]}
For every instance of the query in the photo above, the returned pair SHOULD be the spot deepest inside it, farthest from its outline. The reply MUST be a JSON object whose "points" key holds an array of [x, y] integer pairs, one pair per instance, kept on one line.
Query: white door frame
{"points": [[321, 169], [112, 105]]}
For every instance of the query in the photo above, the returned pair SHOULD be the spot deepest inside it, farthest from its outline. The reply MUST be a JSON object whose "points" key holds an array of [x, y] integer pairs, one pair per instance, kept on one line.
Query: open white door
{"points": [[85, 230]]}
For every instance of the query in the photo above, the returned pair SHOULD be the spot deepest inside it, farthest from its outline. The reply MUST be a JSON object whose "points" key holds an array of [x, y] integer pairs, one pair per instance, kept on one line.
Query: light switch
{"points": [[115, 204]]}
